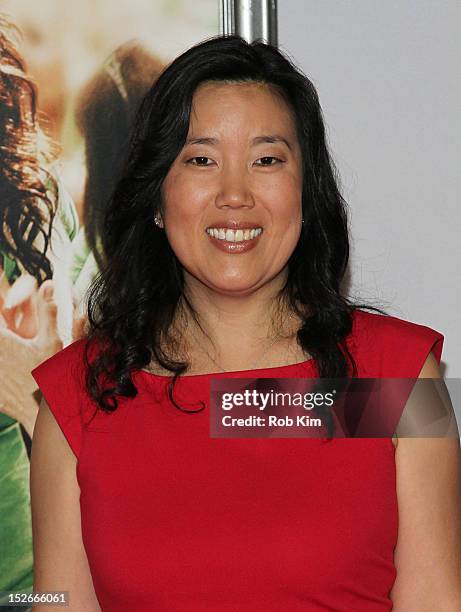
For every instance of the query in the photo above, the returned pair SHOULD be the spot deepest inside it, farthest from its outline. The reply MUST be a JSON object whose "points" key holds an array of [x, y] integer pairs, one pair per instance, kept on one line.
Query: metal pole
{"points": [[251, 19]]}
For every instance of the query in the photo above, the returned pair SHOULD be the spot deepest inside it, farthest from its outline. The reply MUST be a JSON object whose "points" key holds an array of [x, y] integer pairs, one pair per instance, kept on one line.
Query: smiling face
{"points": [[241, 165]]}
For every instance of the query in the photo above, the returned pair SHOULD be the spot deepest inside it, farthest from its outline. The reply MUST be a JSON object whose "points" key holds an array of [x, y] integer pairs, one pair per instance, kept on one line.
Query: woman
{"points": [[147, 511], [35, 294]]}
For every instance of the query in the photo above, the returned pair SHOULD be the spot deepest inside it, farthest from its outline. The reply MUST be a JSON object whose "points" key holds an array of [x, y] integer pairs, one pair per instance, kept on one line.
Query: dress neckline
{"points": [[232, 373]]}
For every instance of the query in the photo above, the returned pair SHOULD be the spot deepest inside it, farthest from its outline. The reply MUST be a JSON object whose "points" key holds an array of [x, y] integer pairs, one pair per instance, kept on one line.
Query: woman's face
{"points": [[241, 166]]}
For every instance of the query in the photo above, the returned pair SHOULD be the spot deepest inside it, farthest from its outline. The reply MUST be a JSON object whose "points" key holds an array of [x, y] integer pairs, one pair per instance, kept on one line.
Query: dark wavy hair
{"points": [[133, 302], [28, 192]]}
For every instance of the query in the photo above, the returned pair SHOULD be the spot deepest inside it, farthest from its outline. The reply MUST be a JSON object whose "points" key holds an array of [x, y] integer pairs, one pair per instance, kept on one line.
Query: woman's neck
{"points": [[235, 334]]}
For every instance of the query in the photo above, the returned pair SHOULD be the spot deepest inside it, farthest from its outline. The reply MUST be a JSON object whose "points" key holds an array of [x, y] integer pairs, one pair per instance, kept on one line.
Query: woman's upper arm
{"points": [[428, 551], [60, 561]]}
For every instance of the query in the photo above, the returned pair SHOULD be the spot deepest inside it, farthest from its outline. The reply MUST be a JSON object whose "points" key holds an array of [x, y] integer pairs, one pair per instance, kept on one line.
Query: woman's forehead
{"points": [[224, 108]]}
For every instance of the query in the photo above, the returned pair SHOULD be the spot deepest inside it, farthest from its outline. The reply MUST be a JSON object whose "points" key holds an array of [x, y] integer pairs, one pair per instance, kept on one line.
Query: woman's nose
{"points": [[234, 190]]}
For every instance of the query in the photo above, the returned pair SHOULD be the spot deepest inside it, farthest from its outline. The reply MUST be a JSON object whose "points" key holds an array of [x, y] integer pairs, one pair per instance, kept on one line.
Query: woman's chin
{"points": [[233, 287]]}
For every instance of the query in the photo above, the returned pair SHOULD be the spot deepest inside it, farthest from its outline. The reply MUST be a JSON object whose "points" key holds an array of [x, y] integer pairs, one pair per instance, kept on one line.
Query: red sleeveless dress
{"points": [[176, 521]]}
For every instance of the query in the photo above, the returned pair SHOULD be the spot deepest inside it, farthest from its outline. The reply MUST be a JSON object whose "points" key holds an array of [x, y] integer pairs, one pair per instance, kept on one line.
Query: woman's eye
{"points": [[269, 157], [200, 159]]}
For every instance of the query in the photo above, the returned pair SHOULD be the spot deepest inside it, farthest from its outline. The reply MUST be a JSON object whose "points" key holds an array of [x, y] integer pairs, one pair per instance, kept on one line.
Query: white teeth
{"points": [[233, 235]]}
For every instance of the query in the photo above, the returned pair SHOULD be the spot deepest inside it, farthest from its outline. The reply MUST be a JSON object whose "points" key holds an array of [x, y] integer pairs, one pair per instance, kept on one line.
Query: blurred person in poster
{"points": [[38, 222], [105, 112]]}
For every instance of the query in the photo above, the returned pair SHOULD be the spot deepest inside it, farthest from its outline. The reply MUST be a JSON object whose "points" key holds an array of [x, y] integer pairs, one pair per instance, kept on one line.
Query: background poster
{"points": [[72, 75]]}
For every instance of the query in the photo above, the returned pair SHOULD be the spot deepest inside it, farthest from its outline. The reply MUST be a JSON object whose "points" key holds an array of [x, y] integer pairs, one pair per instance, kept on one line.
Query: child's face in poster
{"points": [[235, 178]]}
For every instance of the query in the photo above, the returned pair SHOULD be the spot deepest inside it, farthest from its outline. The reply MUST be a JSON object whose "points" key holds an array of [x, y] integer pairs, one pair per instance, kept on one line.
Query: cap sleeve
{"points": [[416, 341], [390, 347], [59, 379], [427, 340]]}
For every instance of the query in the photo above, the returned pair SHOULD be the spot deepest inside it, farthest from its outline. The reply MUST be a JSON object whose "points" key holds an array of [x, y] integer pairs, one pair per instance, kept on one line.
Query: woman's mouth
{"points": [[234, 241]]}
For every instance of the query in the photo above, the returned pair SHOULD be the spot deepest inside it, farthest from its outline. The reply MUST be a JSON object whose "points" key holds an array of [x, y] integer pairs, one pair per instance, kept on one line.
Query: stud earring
{"points": [[157, 221]]}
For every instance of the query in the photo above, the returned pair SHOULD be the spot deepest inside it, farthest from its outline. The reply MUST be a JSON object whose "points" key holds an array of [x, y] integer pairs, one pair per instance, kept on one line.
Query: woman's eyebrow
{"points": [[270, 138]]}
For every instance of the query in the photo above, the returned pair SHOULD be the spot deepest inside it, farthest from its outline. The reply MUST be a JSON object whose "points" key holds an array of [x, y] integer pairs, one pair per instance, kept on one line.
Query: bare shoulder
{"points": [[60, 561]]}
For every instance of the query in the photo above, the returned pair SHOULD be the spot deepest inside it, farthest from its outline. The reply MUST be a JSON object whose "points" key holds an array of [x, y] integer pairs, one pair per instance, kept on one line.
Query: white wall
{"points": [[388, 78]]}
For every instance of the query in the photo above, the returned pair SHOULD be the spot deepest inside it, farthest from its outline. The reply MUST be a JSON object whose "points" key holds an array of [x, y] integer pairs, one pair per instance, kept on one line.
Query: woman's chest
{"points": [[169, 512]]}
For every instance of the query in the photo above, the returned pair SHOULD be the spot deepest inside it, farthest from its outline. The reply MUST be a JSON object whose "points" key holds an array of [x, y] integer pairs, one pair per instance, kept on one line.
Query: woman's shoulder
{"points": [[387, 345], [66, 370], [61, 380], [67, 360]]}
